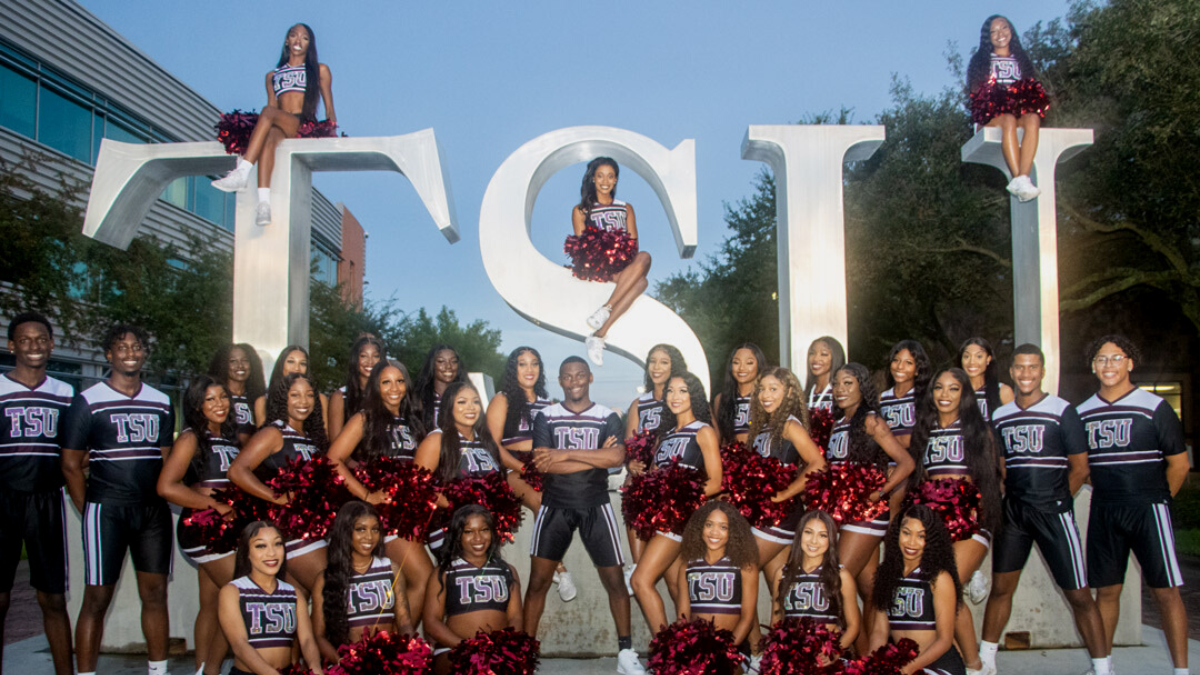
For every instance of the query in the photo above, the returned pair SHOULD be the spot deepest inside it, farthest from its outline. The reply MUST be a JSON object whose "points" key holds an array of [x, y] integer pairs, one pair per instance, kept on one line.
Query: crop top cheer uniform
{"points": [[741, 415], [786, 453], [839, 453], [270, 618], [912, 609], [649, 411], [945, 455], [295, 446], [521, 429], [474, 589], [474, 460], [214, 465], [808, 597], [714, 588], [900, 412], [371, 599]]}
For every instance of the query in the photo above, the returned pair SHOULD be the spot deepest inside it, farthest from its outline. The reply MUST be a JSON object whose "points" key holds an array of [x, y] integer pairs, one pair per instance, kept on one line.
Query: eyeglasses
{"points": [[1115, 359]]}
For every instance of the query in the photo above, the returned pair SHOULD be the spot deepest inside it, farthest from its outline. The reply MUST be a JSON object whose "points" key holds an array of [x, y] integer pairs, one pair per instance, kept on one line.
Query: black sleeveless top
{"points": [[681, 446], [912, 604], [808, 597], [714, 588], [243, 413], [741, 415], [403, 442], [371, 597], [472, 589], [270, 618], [521, 429], [649, 411], [785, 452], [295, 446], [214, 463], [474, 460]]}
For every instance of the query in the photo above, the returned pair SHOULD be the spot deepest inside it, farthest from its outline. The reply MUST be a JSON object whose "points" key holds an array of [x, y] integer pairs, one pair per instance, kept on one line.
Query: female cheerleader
{"points": [[1005, 93], [917, 592], [721, 574], [862, 437], [524, 384], [470, 560], [442, 367], [599, 207], [361, 591], [684, 437], [293, 359], [977, 359], [825, 356], [290, 102], [194, 469], [952, 440], [293, 430], [813, 584], [908, 375], [346, 401], [257, 591], [387, 426], [240, 369], [731, 407]]}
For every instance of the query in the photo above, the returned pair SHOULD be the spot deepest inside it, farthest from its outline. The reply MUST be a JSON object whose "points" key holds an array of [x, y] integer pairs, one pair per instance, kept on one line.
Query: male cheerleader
{"points": [[32, 511], [575, 443], [1045, 463], [122, 428], [1138, 462]]}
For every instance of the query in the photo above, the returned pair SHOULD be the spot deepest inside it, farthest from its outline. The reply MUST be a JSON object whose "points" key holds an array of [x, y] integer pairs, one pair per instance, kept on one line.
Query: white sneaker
{"points": [[629, 568], [598, 317], [755, 663], [262, 214], [1014, 186], [985, 670], [235, 180], [628, 663], [977, 588], [595, 349], [566, 586], [1027, 190]]}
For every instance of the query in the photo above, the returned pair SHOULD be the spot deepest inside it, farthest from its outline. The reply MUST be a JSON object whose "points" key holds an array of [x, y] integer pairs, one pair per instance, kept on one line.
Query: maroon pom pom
{"points": [[246, 510], [662, 500], [234, 129], [384, 653], [1022, 97], [640, 448], [599, 253], [751, 480], [956, 499], [889, 659], [800, 647], [841, 490], [500, 652], [412, 495], [530, 474], [207, 526], [316, 491], [694, 648], [322, 129], [489, 490], [295, 669], [820, 425]]}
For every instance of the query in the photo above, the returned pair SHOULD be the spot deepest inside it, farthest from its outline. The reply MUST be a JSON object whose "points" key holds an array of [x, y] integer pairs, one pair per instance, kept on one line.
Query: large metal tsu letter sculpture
{"points": [[271, 263], [1034, 237], [544, 291], [807, 161]]}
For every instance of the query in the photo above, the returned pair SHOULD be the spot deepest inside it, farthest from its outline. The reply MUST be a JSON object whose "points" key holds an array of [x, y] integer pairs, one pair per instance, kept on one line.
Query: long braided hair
{"points": [[340, 569], [312, 72]]}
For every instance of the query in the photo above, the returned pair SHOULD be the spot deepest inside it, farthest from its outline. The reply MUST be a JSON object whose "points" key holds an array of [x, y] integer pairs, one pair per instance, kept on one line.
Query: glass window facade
{"points": [[18, 102]]}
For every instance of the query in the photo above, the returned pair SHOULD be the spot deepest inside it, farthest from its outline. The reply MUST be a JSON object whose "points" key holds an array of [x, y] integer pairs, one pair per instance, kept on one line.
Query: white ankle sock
{"points": [[264, 195], [1181, 671], [243, 165], [90, 672], [1102, 666], [987, 653], [156, 668]]}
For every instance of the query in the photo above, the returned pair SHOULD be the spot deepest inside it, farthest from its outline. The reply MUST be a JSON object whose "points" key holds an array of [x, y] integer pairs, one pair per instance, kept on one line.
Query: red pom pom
{"points": [[820, 425], [295, 669], [887, 660], [640, 448], [530, 474], [599, 253], [384, 653], [492, 492], [322, 129], [412, 495], [234, 129], [662, 500], [210, 527], [246, 510], [316, 491], [1022, 97], [751, 480], [694, 648], [500, 652], [841, 490], [956, 499], [800, 647]]}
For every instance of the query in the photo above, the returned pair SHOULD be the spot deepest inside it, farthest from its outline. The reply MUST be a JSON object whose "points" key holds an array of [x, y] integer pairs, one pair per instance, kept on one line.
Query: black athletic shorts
{"points": [[1056, 536], [1116, 529], [37, 519], [554, 528], [110, 529], [950, 663]]}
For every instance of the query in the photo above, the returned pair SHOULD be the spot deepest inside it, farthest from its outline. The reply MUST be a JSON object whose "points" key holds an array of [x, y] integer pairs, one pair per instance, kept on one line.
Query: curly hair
{"points": [[727, 413], [194, 419], [518, 402], [119, 330], [453, 548], [979, 446], [425, 388], [699, 402], [920, 358], [312, 71], [29, 317], [862, 448], [830, 574], [837, 360], [792, 405], [678, 364], [355, 392], [378, 420], [991, 377], [937, 557], [980, 66], [218, 369], [587, 191], [741, 548], [241, 559], [451, 448], [340, 569], [1123, 343], [314, 424]]}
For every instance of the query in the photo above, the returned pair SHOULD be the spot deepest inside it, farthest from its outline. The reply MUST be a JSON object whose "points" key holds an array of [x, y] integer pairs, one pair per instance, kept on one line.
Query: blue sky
{"points": [[490, 76]]}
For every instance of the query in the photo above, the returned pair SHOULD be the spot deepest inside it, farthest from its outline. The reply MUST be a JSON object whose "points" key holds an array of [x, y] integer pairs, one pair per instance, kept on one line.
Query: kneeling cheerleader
{"points": [[813, 583]]}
